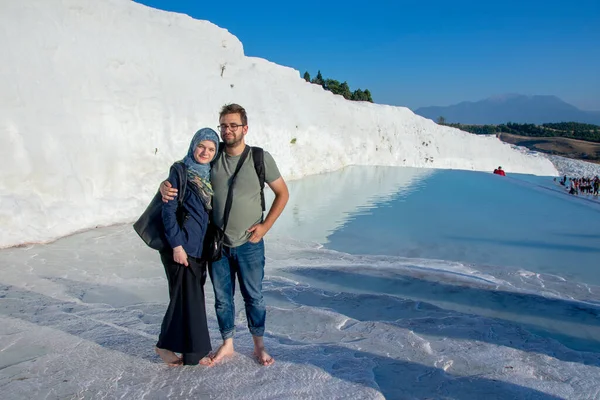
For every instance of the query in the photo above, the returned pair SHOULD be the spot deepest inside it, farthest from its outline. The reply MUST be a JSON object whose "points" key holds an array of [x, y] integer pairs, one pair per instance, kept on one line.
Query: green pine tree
{"points": [[332, 85], [345, 91], [319, 79], [357, 95]]}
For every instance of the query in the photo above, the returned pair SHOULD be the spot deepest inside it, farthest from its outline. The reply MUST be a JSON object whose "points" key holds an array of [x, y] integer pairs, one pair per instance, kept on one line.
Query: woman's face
{"points": [[205, 151]]}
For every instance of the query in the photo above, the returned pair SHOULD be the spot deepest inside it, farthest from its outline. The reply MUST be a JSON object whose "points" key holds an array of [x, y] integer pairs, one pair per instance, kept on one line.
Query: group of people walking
{"points": [[582, 185], [210, 163]]}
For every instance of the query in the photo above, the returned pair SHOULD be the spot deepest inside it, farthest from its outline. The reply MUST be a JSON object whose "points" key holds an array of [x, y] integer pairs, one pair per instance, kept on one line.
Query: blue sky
{"points": [[418, 53]]}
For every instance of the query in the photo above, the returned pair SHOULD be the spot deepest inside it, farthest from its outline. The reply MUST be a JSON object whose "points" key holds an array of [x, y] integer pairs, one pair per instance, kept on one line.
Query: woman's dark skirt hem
{"points": [[184, 328]]}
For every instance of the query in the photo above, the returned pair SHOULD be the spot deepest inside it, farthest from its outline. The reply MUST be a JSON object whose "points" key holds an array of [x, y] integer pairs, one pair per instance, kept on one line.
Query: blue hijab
{"points": [[198, 175]]}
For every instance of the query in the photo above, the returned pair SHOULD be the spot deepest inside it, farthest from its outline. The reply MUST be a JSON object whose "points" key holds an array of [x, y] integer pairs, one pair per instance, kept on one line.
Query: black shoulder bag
{"points": [[150, 226], [213, 242]]}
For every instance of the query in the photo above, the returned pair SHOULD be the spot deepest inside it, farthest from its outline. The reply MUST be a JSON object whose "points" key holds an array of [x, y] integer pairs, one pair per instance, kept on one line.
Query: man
{"points": [[243, 253]]}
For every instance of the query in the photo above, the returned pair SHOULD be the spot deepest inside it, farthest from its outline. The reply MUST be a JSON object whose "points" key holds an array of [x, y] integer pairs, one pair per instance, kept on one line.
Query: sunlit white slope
{"points": [[99, 97]]}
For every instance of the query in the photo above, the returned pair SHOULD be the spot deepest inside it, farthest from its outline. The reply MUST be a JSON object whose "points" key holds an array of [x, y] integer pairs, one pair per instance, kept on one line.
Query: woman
{"points": [[184, 329]]}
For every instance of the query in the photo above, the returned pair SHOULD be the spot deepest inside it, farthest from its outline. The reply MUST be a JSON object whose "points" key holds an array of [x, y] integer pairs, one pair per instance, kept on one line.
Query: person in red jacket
{"points": [[499, 171]]}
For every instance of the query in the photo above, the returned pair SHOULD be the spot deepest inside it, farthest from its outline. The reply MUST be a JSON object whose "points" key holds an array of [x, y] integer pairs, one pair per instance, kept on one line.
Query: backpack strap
{"points": [[219, 153], [258, 154]]}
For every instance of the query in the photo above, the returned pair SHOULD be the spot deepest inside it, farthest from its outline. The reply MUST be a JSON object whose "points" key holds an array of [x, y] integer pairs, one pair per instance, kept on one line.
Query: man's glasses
{"points": [[233, 127]]}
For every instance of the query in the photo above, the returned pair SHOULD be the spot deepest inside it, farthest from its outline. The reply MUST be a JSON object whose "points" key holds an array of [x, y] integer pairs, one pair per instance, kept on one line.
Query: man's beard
{"points": [[233, 141]]}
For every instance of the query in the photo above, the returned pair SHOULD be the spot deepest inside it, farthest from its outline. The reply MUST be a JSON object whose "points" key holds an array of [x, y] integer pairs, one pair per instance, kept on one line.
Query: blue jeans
{"points": [[248, 262]]}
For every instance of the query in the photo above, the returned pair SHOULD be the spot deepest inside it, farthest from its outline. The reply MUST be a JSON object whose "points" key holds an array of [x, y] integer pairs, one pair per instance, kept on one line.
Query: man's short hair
{"points": [[234, 109]]}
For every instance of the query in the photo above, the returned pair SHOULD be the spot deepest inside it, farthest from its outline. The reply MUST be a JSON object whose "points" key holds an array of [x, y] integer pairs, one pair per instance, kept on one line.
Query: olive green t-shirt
{"points": [[246, 209]]}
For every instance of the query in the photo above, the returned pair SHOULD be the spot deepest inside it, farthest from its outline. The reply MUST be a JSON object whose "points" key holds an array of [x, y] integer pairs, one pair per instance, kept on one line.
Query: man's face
{"points": [[232, 130]]}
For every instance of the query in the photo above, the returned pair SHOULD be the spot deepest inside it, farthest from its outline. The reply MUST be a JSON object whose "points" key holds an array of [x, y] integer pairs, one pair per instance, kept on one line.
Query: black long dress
{"points": [[184, 328]]}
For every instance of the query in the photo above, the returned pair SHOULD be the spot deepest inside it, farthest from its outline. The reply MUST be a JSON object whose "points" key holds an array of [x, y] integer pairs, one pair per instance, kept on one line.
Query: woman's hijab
{"points": [[198, 175]]}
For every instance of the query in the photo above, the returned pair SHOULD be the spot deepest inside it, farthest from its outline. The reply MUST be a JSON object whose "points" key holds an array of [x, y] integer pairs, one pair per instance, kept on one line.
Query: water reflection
{"points": [[321, 204]]}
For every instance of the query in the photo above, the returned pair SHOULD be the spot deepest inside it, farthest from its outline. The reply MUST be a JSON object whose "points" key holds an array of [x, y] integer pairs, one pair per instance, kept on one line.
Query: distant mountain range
{"points": [[511, 108]]}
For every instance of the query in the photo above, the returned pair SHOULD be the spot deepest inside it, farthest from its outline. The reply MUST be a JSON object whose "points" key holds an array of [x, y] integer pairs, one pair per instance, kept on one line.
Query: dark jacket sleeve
{"points": [[173, 232]]}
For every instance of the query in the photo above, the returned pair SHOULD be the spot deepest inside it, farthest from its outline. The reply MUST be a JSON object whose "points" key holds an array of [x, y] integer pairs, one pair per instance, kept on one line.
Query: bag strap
{"points": [[229, 200], [181, 170], [258, 155]]}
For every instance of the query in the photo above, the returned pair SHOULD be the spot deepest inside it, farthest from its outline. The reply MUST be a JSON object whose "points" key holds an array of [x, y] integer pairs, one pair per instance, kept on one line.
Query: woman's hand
{"points": [[180, 256], [168, 193]]}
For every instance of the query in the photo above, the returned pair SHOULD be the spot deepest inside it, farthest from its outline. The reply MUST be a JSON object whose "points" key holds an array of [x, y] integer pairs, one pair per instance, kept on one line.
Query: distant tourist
{"points": [[564, 181], [499, 171], [243, 251], [573, 187]]}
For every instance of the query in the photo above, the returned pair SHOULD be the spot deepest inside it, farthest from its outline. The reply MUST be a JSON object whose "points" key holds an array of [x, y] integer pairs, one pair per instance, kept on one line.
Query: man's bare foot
{"points": [[170, 358], [225, 350], [260, 353], [263, 357]]}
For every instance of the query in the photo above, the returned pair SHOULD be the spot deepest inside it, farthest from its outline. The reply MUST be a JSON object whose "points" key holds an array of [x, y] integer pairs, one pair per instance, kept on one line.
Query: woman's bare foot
{"points": [[225, 350], [206, 361], [263, 357], [170, 358]]}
